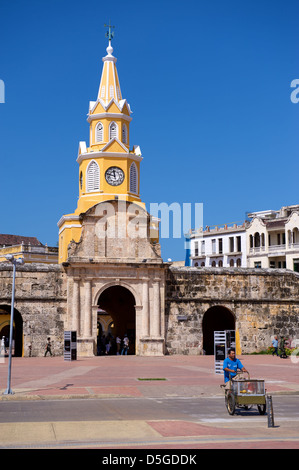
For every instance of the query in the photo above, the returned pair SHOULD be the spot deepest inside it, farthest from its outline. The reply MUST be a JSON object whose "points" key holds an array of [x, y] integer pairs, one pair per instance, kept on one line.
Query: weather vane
{"points": [[109, 34]]}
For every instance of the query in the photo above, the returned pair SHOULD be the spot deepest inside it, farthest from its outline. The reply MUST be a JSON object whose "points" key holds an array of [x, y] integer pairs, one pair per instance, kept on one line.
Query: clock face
{"points": [[114, 176]]}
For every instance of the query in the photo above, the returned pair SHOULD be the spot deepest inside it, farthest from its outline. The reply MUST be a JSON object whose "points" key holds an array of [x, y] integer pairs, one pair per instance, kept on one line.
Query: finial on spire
{"points": [[109, 33]]}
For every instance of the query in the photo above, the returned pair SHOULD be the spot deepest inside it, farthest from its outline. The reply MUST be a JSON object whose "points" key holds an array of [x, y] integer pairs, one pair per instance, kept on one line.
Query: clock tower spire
{"points": [[109, 167]]}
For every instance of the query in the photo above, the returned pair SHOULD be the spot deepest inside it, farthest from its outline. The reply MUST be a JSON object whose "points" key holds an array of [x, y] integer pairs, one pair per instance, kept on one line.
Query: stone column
{"points": [[145, 310], [76, 306], [87, 310], [155, 326]]}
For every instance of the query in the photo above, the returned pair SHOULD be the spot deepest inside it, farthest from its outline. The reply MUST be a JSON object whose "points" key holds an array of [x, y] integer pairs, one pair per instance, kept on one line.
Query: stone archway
{"points": [[216, 318], [119, 304], [17, 329]]}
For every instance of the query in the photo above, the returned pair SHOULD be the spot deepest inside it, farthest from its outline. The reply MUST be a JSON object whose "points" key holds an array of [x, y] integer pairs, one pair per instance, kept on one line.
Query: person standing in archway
{"points": [[118, 345], [125, 345], [230, 366]]}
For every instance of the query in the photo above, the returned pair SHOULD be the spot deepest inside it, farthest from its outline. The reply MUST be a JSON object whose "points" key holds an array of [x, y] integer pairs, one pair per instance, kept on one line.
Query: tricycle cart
{"points": [[241, 392]]}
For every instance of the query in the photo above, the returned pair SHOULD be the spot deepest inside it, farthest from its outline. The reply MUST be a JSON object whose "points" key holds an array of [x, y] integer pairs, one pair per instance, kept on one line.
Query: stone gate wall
{"points": [[40, 298], [263, 302]]}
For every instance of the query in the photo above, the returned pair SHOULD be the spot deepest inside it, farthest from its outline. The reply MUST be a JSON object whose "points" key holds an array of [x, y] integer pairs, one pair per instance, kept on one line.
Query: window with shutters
{"points": [[111, 91], [103, 92], [93, 177], [124, 134], [133, 178], [81, 180], [112, 130], [99, 132]]}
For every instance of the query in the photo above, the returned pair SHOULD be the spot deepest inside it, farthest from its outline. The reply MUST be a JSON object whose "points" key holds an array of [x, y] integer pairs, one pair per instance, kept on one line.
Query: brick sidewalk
{"points": [[119, 376], [134, 376]]}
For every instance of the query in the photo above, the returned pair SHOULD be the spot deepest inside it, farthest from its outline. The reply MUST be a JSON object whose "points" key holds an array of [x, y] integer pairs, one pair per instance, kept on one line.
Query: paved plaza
{"points": [[168, 377]]}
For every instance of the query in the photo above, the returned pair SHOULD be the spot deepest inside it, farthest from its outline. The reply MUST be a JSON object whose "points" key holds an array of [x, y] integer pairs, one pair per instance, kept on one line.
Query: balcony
{"points": [[275, 248], [257, 249], [293, 246]]}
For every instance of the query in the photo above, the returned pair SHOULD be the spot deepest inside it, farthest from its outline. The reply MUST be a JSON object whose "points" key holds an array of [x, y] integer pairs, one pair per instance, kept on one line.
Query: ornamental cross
{"points": [[109, 34]]}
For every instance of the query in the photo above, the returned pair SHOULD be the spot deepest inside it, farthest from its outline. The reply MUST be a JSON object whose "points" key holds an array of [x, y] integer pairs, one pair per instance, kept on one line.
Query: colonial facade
{"points": [[109, 247], [28, 248], [219, 246], [273, 239], [268, 239]]}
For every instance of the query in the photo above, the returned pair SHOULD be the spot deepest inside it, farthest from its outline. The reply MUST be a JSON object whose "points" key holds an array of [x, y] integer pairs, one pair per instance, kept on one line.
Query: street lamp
{"points": [[14, 262]]}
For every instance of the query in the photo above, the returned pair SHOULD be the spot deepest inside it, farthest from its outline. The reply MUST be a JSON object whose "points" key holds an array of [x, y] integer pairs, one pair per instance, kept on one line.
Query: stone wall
{"points": [[263, 302], [40, 298]]}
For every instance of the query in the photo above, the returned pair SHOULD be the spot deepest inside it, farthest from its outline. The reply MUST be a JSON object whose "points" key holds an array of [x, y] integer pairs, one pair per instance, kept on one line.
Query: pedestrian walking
{"points": [[275, 346], [118, 345], [283, 353], [48, 347], [3, 348], [125, 345], [107, 345]]}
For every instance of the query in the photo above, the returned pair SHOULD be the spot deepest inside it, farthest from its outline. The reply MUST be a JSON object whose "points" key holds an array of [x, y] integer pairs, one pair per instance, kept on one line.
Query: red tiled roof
{"points": [[9, 240]]}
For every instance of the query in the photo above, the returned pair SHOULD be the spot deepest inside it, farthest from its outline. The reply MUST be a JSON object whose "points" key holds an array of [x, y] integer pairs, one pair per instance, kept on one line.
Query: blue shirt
{"points": [[275, 343], [234, 364]]}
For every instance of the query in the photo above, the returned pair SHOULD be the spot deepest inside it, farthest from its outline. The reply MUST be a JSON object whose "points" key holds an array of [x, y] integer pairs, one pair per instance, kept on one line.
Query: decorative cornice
{"points": [[66, 218], [93, 117], [115, 139], [120, 104], [95, 155]]}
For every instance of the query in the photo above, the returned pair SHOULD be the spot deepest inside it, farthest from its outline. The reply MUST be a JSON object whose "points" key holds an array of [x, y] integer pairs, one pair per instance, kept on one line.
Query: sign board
{"points": [[70, 345], [219, 352], [223, 340]]}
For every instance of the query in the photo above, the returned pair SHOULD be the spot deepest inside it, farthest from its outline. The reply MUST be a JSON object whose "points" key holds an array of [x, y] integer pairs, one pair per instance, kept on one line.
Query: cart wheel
{"points": [[262, 409], [230, 403]]}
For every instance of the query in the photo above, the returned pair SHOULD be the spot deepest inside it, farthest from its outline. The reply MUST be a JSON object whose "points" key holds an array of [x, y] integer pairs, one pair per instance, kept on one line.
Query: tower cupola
{"points": [[109, 167]]}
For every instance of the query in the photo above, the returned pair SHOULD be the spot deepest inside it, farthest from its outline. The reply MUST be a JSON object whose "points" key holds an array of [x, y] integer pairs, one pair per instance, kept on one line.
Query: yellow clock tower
{"points": [[108, 169]]}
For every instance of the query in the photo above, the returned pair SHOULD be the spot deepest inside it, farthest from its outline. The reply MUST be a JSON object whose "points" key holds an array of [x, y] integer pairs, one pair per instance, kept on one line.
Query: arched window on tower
{"points": [[125, 134], [99, 137], [112, 130], [93, 177], [133, 178]]}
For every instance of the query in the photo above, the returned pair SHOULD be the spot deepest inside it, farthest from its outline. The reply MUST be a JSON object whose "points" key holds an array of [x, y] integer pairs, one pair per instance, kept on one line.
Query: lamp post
{"points": [[14, 262]]}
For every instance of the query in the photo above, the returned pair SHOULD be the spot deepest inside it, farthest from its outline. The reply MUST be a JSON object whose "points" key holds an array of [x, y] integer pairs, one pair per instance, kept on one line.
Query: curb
{"points": [[15, 397]]}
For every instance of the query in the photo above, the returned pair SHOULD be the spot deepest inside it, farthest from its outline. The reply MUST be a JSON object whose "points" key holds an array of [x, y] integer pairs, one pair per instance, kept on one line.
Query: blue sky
{"points": [[209, 86]]}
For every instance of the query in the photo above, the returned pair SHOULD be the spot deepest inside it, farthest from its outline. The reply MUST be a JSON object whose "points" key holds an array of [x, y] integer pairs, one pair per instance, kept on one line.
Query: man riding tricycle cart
{"points": [[240, 390]]}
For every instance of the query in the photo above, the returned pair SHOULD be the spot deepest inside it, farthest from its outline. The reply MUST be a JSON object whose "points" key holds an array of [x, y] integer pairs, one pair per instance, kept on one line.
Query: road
{"points": [[104, 409], [171, 422]]}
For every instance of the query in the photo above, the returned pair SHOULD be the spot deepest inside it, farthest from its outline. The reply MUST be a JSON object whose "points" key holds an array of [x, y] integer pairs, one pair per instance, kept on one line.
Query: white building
{"points": [[273, 239], [269, 240], [218, 246]]}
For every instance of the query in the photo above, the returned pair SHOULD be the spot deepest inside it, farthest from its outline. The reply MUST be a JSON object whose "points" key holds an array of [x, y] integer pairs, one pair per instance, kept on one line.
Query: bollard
{"points": [[270, 412]]}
